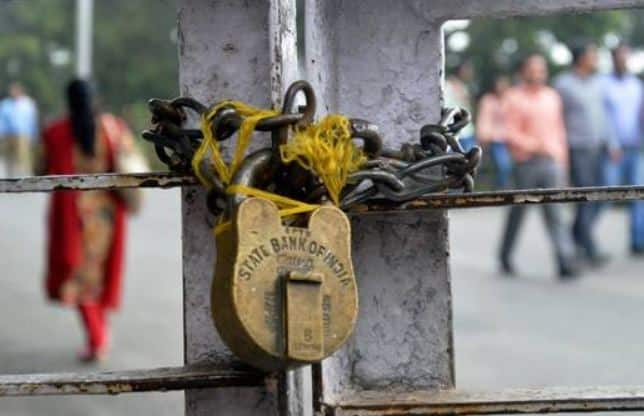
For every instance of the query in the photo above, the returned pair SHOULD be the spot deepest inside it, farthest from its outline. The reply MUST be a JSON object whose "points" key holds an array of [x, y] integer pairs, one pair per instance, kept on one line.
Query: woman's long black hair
{"points": [[81, 112]]}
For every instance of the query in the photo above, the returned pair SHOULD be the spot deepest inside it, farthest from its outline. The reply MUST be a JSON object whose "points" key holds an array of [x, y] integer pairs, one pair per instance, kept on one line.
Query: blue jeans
{"points": [[467, 142], [502, 164], [586, 166], [627, 172]]}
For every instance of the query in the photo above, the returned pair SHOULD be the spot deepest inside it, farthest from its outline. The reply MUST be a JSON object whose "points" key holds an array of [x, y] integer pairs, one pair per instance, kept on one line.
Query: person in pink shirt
{"points": [[536, 137], [491, 130]]}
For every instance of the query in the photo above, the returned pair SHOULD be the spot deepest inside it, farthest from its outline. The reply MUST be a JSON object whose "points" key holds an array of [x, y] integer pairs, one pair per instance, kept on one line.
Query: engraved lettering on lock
{"points": [[244, 274], [290, 262], [270, 307], [302, 244], [303, 346], [276, 245], [313, 247], [288, 243], [304, 232], [326, 315], [253, 261], [321, 250], [337, 267]]}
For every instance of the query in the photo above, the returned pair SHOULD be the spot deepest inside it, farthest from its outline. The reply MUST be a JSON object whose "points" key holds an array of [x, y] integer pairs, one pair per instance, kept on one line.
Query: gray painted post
{"points": [[246, 51], [382, 60]]}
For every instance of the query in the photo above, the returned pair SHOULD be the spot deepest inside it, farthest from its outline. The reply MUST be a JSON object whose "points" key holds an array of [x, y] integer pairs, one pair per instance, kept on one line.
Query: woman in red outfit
{"points": [[86, 228]]}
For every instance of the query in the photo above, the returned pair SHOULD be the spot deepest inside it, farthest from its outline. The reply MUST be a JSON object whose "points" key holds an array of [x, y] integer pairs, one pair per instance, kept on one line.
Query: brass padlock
{"points": [[284, 296]]}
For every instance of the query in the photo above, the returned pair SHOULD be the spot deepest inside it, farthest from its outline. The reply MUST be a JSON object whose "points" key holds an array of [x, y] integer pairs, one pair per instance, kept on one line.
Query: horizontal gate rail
{"points": [[95, 181], [547, 400], [517, 197], [443, 201], [117, 382], [534, 196]]}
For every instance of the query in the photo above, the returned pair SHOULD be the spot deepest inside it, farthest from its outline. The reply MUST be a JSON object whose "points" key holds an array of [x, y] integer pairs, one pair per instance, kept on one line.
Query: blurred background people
{"points": [[457, 94], [623, 105], [491, 130], [537, 140], [18, 128], [86, 229], [588, 138]]}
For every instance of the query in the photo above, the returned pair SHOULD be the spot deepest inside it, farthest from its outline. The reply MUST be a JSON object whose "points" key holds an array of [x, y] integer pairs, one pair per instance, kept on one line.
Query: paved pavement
{"points": [[39, 337], [526, 332], [535, 331]]}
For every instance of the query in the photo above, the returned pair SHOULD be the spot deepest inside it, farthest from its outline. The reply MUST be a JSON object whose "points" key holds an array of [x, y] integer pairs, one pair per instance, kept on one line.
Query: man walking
{"points": [[537, 140], [589, 139], [623, 103], [19, 129], [457, 94]]}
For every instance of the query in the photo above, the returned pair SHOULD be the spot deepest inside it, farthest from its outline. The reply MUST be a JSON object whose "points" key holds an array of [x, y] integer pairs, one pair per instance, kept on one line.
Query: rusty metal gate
{"points": [[378, 58]]}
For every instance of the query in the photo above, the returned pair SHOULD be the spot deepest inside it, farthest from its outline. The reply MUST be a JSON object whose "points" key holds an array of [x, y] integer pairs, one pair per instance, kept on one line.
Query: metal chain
{"points": [[436, 164]]}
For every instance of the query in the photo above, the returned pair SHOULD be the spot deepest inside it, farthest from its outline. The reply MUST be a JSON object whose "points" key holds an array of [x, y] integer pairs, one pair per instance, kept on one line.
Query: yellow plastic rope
{"points": [[287, 206], [326, 149], [252, 116]]}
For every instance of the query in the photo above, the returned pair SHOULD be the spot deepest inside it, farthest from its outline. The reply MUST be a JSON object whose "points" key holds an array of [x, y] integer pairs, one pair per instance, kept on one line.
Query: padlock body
{"points": [[284, 296]]}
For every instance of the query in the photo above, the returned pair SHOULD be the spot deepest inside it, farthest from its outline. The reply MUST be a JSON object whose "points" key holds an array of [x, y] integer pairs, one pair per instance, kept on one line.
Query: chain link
{"points": [[437, 163]]}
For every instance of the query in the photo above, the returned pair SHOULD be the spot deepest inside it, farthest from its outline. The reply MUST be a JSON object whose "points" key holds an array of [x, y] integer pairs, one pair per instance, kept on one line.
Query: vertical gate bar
{"points": [[383, 61], [243, 50]]}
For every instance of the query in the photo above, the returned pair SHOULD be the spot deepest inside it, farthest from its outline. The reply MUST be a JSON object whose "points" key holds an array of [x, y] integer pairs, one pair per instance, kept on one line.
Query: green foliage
{"points": [[135, 54], [636, 18], [30, 31], [497, 45]]}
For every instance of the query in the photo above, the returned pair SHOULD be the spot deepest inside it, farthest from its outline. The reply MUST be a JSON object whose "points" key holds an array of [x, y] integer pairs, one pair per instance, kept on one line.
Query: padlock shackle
{"points": [[254, 172]]}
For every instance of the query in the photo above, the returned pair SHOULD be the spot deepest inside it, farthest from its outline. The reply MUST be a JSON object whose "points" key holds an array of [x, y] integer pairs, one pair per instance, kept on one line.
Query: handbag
{"points": [[127, 159]]}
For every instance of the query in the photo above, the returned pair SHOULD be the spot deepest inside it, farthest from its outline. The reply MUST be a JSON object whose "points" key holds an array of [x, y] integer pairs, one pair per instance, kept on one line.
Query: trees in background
{"points": [[135, 52], [496, 45], [135, 43], [36, 41]]}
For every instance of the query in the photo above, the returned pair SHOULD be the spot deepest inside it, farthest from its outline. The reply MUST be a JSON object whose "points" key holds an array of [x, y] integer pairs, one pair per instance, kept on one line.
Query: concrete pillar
{"points": [[246, 51], [382, 61]]}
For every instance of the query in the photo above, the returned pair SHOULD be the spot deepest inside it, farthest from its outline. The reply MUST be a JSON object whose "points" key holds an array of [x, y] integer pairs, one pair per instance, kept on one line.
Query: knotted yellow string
{"points": [[287, 206], [326, 149], [252, 116]]}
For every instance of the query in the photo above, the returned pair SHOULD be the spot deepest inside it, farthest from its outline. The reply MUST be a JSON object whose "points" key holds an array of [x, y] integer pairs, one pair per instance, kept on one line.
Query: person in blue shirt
{"points": [[589, 140], [623, 95], [3, 123], [18, 130], [5, 130], [457, 94]]}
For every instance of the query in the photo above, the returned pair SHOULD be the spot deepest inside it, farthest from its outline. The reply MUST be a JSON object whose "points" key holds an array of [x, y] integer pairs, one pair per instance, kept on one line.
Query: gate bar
{"points": [[530, 196], [88, 182], [166, 180], [511, 401], [472, 9], [116, 382]]}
